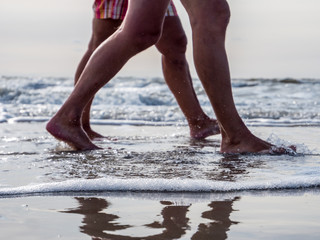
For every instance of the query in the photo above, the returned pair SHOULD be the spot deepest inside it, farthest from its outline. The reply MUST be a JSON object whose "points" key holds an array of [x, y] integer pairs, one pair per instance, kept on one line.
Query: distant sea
{"points": [[260, 102]]}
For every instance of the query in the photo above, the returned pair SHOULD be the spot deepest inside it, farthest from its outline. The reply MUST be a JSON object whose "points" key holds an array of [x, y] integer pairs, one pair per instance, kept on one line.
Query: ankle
{"points": [[237, 136], [86, 126], [71, 117], [199, 121]]}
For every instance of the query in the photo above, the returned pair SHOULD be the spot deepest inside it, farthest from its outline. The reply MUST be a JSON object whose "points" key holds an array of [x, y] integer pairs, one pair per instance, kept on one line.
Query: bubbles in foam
{"points": [[160, 185], [300, 147], [263, 102]]}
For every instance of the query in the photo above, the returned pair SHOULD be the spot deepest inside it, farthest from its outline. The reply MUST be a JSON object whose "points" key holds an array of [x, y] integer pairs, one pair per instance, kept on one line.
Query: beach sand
{"points": [[28, 155], [261, 215]]}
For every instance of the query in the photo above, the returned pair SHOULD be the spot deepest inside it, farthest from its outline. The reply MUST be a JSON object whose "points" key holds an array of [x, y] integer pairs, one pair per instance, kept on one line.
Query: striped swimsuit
{"points": [[116, 9]]}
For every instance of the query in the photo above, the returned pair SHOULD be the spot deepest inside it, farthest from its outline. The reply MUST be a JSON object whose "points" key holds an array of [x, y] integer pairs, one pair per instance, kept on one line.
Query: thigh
{"points": [[145, 15]]}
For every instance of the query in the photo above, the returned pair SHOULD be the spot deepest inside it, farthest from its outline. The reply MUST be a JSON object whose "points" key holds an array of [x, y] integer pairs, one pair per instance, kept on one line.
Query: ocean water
{"points": [[149, 149], [260, 102]]}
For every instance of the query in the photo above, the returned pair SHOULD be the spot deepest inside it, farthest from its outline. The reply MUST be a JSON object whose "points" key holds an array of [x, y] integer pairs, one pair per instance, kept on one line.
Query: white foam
{"points": [[160, 185], [27, 99], [27, 119], [266, 122]]}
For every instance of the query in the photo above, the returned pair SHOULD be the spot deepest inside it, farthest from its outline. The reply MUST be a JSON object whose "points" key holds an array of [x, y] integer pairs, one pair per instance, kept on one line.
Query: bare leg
{"points": [[209, 20], [141, 29], [172, 45], [102, 29]]}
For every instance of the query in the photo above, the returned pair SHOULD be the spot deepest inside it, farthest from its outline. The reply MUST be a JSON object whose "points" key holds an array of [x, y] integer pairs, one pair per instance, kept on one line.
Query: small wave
{"points": [[262, 102], [27, 119], [106, 122], [160, 185], [256, 122], [266, 122], [256, 81]]}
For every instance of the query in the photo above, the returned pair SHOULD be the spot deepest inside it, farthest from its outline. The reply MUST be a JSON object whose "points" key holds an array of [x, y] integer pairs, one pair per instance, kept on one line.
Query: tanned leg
{"points": [[141, 29], [102, 29], [172, 45], [209, 20]]}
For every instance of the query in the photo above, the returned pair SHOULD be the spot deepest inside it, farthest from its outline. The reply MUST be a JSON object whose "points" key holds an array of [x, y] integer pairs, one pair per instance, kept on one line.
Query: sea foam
{"points": [[160, 185], [261, 102]]}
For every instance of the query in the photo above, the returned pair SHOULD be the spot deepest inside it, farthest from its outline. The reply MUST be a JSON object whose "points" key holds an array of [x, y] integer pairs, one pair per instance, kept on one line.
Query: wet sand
{"points": [[284, 215], [29, 155]]}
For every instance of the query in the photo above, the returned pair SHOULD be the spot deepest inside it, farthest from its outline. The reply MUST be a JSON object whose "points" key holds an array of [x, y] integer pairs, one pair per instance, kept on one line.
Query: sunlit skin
{"points": [[141, 29], [172, 46]]}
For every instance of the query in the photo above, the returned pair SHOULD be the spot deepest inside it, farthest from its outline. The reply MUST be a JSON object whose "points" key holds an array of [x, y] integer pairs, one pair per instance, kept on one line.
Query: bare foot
{"points": [[93, 135], [204, 128], [70, 133], [253, 144]]}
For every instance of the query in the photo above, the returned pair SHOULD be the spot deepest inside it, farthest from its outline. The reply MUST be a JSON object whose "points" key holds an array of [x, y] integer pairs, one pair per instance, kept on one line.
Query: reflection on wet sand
{"points": [[98, 224], [175, 221], [220, 215], [95, 221]]}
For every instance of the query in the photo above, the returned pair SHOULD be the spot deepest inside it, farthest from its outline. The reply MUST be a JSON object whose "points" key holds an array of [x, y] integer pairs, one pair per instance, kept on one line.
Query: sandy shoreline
{"points": [[29, 155], [286, 214]]}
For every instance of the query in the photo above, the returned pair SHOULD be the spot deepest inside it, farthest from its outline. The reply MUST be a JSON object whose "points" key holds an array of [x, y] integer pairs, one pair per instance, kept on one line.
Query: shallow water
{"points": [[150, 180], [148, 143], [152, 158], [285, 214], [260, 102]]}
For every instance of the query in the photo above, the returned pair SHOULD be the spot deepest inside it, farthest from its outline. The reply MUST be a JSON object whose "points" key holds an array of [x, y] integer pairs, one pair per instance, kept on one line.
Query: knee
{"points": [[142, 40], [174, 45], [214, 16], [222, 13], [179, 43]]}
